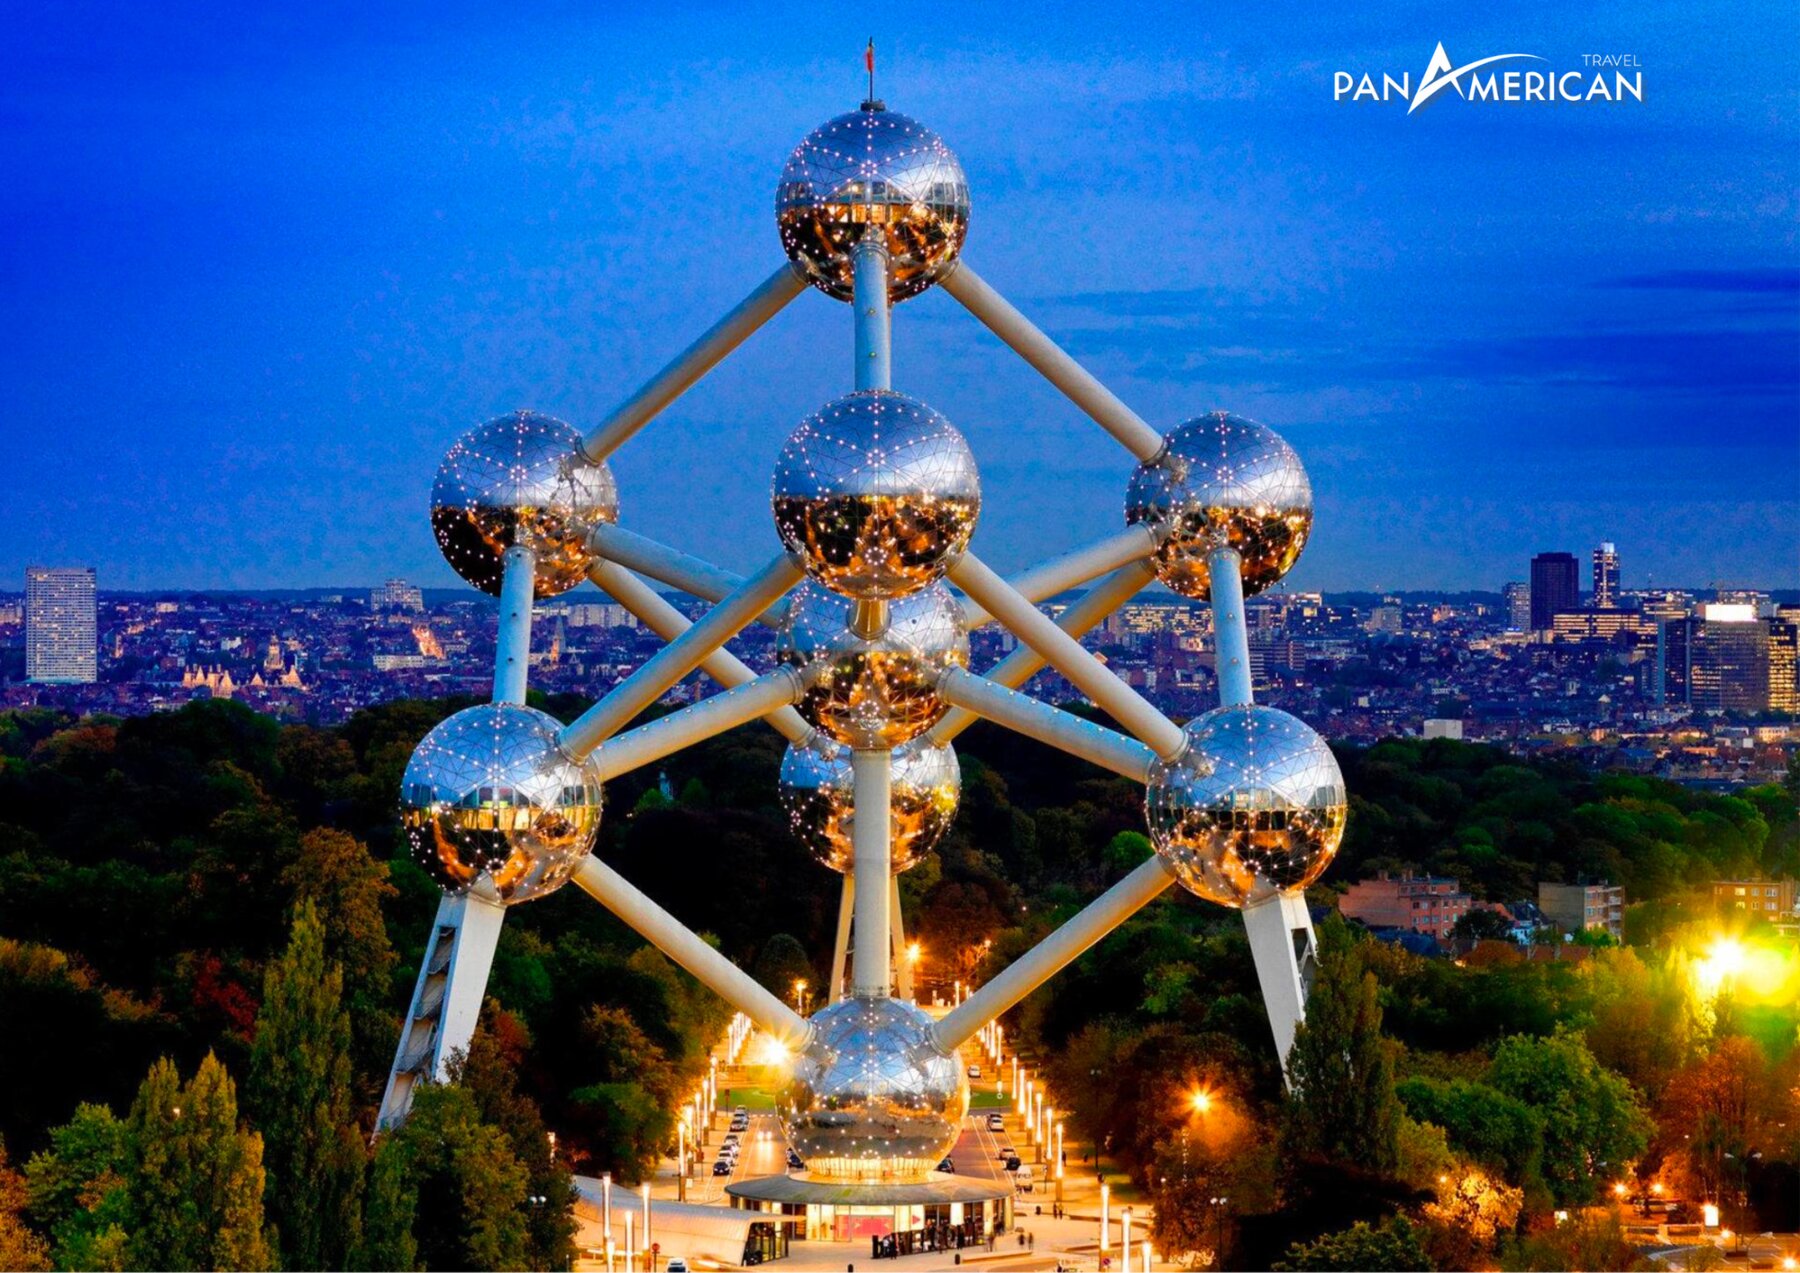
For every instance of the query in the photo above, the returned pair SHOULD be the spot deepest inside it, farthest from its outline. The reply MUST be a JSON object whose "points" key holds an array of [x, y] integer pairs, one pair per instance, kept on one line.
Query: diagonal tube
{"points": [[1052, 363], [1071, 570], [668, 623], [1023, 663], [1068, 656], [1060, 729], [696, 722], [1056, 952], [768, 300], [676, 659], [674, 939]]}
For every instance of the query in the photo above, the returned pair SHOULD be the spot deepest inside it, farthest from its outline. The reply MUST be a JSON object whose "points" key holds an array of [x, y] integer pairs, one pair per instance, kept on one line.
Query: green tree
{"points": [[299, 1093], [1483, 1124], [1341, 1106], [468, 1189], [337, 874], [77, 1193], [1394, 1245], [782, 962], [1586, 1241], [490, 1072], [1593, 1121], [194, 1176], [390, 1208]]}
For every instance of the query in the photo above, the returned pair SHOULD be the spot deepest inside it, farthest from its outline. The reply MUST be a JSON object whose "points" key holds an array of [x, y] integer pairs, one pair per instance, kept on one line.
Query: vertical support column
{"points": [[1282, 946], [512, 646], [869, 285], [446, 999], [903, 969], [1231, 628], [870, 827], [840, 950]]}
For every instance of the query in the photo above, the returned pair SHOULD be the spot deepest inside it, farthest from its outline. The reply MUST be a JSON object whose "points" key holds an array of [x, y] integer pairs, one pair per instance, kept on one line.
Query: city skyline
{"points": [[276, 261]]}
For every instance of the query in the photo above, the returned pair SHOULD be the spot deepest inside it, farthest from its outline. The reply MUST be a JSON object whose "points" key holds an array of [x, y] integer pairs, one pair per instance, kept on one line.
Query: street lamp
{"points": [[1202, 1101], [800, 997], [1105, 1222]]}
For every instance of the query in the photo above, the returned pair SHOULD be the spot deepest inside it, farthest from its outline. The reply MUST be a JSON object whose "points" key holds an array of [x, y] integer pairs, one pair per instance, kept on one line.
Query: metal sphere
{"points": [[817, 792], [489, 792], [871, 1096], [1255, 806], [872, 168], [875, 692], [877, 493], [521, 479], [1223, 481]]}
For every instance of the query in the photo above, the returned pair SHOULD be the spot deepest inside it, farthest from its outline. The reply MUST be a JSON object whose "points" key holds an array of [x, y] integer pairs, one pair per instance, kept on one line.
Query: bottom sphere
{"points": [[872, 1097]]}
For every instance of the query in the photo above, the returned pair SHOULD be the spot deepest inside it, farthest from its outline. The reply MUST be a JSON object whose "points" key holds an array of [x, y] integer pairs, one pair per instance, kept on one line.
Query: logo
{"points": [[1474, 82]]}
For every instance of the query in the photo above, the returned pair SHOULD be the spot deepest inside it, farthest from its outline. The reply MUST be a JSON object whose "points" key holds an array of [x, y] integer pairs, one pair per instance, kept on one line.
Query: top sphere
{"points": [[521, 479], [1256, 805], [872, 167], [489, 792], [1223, 481], [877, 493]]}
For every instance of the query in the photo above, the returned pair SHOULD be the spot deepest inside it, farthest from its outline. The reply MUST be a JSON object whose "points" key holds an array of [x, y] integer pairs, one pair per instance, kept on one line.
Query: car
{"points": [[731, 1138], [676, 1265], [1012, 1164], [721, 1168], [974, 1071], [996, 1123], [1007, 1151], [795, 1161], [948, 1166]]}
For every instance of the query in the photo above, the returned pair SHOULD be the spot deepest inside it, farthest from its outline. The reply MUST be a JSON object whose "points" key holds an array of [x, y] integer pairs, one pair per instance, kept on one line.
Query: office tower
{"points": [[1555, 585], [61, 645], [1784, 666], [1720, 660], [1517, 598], [1606, 576]]}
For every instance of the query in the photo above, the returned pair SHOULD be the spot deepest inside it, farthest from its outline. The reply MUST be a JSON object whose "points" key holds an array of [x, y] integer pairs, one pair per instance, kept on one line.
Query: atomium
{"points": [[872, 168], [489, 792], [877, 493], [871, 1096], [1256, 805], [872, 692], [817, 792], [1223, 481], [521, 479]]}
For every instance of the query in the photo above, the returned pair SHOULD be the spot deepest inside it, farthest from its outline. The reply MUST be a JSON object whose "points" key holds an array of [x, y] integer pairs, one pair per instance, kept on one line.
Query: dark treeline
{"points": [[207, 911]]}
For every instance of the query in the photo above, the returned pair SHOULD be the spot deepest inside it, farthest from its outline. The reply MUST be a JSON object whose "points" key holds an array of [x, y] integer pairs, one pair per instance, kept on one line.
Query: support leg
{"points": [[512, 647], [1282, 944], [446, 999], [1231, 629]]}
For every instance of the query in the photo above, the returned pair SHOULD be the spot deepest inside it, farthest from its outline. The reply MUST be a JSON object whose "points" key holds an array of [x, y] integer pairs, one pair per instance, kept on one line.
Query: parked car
{"points": [[948, 1166], [974, 1071], [676, 1265], [795, 1161], [722, 1168], [996, 1123], [1006, 1151]]}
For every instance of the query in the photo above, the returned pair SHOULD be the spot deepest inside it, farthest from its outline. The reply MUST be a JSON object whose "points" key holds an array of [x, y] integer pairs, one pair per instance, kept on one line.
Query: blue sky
{"points": [[259, 269]]}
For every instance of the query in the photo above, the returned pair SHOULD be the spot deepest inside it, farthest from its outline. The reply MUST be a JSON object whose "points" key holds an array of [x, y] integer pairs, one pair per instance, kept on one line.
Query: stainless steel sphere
{"points": [[872, 1097], [817, 792], [872, 692], [1255, 806], [521, 479], [872, 169], [1223, 480], [490, 792], [877, 493]]}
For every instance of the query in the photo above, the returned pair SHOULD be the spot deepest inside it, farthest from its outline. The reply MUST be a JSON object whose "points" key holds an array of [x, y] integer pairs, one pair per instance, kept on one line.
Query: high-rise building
{"points": [[61, 635], [1606, 576], [1784, 666], [1517, 596], [1555, 586], [1720, 660]]}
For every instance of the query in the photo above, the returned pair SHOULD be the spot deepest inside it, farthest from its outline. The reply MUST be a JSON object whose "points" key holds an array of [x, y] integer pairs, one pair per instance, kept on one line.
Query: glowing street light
{"points": [[1202, 1101]]}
